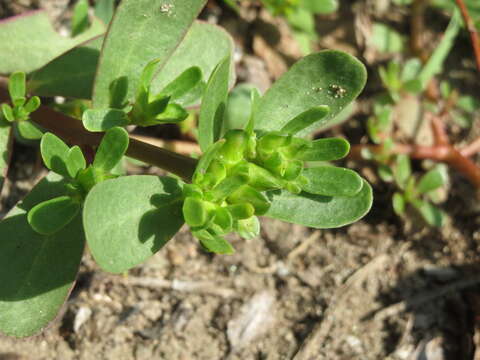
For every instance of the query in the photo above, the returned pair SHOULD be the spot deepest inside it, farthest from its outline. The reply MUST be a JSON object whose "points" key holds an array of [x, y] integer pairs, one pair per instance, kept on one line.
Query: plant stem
{"points": [[72, 131], [471, 29]]}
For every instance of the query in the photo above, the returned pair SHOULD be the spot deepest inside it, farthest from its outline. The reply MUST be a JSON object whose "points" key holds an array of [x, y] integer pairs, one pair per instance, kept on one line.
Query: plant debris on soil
{"points": [[383, 288]]}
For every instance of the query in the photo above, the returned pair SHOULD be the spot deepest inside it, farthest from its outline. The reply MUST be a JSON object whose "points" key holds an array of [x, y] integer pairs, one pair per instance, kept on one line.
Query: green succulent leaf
{"points": [[305, 119], [71, 74], [430, 213], [206, 159], [111, 149], [398, 203], [173, 113], [320, 211], [402, 171], [330, 78], [248, 228], [215, 244], [34, 34], [38, 270], [16, 86], [183, 83], [327, 149], [332, 181], [104, 119], [75, 161], [128, 219], [8, 112], [430, 181], [55, 154], [80, 20], [52, 215], [214, 100], [28, 130], [162, 24], [238, 110], [191, 53], [104, 10], [32, 104]]}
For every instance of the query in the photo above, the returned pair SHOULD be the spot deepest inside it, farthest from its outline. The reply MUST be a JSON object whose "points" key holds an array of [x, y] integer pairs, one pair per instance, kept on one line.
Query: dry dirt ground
{"points": [[379, 289]]}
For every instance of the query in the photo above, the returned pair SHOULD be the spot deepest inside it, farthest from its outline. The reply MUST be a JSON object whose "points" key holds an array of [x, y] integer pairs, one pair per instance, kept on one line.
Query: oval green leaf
{"points": [[38, 271], [113, 146], [330, 77], [36, 41], [104, 119], [140, 31], [129, 219], [327, 149], [332, 181], [214, 100], [55, 154], [317, 211], [50, 216], [69, 75]]}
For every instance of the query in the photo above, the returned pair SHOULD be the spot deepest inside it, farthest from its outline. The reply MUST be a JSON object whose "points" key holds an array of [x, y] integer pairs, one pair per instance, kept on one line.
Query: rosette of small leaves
{"points": [[48, 217], [418, 193], [148, 109], [229, 186], [19, 112]]}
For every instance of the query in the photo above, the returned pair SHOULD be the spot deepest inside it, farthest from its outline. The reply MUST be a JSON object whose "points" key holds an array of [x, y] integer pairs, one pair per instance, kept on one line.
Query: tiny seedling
{"points": [[263, 166]]}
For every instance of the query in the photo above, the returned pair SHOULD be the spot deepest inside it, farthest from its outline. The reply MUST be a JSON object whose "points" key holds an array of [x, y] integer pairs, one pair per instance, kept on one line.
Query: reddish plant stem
{"points": [[440, 153], [472, 148], [472, 30], [72, 131]]}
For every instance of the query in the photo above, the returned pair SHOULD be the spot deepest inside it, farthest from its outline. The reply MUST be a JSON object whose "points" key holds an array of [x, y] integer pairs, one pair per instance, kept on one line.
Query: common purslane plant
{"points": [[264, 166]]}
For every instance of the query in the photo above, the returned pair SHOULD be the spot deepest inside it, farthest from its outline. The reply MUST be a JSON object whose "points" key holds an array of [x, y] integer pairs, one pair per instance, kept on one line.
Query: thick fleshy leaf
{"points": [[305, 119], [332, 181], [28, 130], [191, 52], [330, 77], [16, 85], [430, 213], [217, 244], [327, 149], [431, 181], [80, 20], [5, 150], [52, 215], [111, 150], [54, 154], [72, 73], [128, 219], [239, 106], [104, 119], [69, 75], [75, 161], [38, 271], [141, 30], [214, 100], [402, 170], [207, 158], [35, 41], [317, 211], [104, 10], [183, 83]]}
